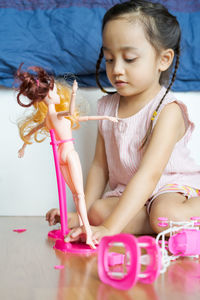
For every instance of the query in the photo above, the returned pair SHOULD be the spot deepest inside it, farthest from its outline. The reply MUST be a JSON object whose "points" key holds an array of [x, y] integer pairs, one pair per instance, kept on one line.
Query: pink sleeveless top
{"points": [[123, 139]]}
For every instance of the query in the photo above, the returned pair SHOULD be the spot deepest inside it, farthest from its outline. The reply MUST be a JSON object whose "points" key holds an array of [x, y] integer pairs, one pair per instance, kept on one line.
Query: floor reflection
{"points": [[184, 275], [79, 280]]}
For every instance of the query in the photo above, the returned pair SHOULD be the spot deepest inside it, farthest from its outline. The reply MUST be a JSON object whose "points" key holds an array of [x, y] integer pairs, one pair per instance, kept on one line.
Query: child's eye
{"points": [[129, 60], [109, 60]]}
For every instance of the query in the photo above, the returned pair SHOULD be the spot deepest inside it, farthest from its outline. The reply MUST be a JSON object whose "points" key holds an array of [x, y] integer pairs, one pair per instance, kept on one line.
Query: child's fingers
{"points": [[51, 216], [47, 216], [76, 232], [71, 239], [52, 219], [92, 245], [56, 216], [96, 241], [96, 237], [74, 235]]}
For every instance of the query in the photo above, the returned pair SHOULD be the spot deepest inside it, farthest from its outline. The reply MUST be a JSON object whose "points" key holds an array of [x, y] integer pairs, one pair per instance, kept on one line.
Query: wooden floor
{"points": [[27, 271]]}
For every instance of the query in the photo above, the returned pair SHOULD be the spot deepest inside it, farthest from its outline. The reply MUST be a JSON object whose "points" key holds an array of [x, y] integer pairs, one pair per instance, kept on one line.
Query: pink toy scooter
{"points": [[122, 271], [184, 240], [78, 248], [185, 243]]}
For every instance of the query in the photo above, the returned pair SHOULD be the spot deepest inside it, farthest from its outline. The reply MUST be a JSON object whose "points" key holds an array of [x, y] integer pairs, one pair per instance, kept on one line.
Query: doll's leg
{"points": [[67, 177], [73, 171], [175, 207]]}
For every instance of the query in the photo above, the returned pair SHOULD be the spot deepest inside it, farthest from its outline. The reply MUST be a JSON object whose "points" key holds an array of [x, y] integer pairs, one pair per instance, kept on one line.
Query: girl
{"points": [[42, 92], [144, 156]]}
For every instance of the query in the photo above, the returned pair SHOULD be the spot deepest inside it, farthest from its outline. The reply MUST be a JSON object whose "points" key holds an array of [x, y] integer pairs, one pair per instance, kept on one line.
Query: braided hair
{"points": [[162, 30]]}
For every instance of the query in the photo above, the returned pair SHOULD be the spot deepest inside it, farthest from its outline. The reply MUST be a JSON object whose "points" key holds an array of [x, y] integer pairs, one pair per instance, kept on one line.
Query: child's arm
{"points": [[22, 149], [98, 174], [170, 128]]}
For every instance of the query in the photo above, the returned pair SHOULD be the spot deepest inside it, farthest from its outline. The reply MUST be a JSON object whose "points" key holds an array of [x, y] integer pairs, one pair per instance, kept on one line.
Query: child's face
{"points": [[132, 64]]}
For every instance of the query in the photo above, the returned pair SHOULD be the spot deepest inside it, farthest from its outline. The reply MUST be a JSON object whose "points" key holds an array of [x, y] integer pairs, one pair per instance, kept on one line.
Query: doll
{"points": [[52, 110]]}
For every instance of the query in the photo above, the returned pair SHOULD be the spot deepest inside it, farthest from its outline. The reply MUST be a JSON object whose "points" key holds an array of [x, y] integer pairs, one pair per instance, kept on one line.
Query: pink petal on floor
{"points": [[19, 230], [59, 267]]}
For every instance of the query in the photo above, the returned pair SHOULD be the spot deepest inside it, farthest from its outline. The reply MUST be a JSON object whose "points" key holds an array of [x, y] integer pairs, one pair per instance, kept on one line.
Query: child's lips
{"points": [[120, 83]]}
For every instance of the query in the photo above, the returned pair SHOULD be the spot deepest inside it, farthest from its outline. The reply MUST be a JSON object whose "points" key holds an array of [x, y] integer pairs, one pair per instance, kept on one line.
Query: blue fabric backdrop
{"points": [[65, 37]]}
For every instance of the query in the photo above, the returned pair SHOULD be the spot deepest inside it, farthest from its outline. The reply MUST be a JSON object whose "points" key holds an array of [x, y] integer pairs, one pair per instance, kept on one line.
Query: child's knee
{"points": [[95, 213], [164, 211], [158, 210]]}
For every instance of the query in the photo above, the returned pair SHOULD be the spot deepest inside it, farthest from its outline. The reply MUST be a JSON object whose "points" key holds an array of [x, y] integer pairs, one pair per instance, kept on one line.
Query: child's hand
{"points": [[78, 234], [113, 119], [53, 217]]}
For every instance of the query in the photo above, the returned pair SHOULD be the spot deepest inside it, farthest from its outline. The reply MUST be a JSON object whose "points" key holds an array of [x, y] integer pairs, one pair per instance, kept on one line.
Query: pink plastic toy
{"points": [[123, 273], [184, 240], [59, 235], [185, 243], [59, 267], [19, 230], [61, 193]]}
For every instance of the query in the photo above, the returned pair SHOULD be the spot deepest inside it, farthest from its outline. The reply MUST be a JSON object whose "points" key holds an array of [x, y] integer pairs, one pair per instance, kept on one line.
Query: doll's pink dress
{"points": [[123, 139]]}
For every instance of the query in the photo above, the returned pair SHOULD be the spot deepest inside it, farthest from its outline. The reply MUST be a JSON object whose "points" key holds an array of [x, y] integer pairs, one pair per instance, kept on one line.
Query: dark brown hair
{"points": [[34, 85], [162, 31]]}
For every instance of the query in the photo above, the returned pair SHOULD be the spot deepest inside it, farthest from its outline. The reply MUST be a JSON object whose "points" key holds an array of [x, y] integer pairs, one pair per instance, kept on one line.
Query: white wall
{"points": [[28, 185]]}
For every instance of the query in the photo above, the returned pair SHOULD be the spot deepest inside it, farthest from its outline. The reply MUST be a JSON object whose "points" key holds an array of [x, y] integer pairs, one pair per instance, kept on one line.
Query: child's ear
{"points": [[166, 59]]}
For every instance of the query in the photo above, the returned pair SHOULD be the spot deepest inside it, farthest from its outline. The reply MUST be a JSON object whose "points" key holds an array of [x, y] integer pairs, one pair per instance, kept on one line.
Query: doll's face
{"points": [[53, 96]]}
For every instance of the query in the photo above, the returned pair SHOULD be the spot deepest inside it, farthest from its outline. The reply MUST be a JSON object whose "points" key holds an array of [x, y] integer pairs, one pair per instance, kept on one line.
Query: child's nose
{"points": [[118, 68]]}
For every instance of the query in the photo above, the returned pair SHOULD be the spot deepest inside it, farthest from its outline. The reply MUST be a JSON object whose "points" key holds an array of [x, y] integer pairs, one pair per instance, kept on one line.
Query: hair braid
{"points": [[173, 78], [97, 72], [144, 141]]}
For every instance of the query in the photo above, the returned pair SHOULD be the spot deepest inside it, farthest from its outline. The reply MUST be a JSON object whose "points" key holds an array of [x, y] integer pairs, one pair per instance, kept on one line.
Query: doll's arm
{"points": [[89, 118], [73, 97], [72, 102], [157, 154], [28, 136], [22, 150]]}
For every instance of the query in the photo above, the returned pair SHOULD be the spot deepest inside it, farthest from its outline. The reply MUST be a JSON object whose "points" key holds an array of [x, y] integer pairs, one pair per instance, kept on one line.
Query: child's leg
{"points": [[102, 208], [175, 207]]}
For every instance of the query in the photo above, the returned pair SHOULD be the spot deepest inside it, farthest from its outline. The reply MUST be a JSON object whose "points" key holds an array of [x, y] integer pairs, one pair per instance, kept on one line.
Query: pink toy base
{"points": [[56, 234], [77, 248]]}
